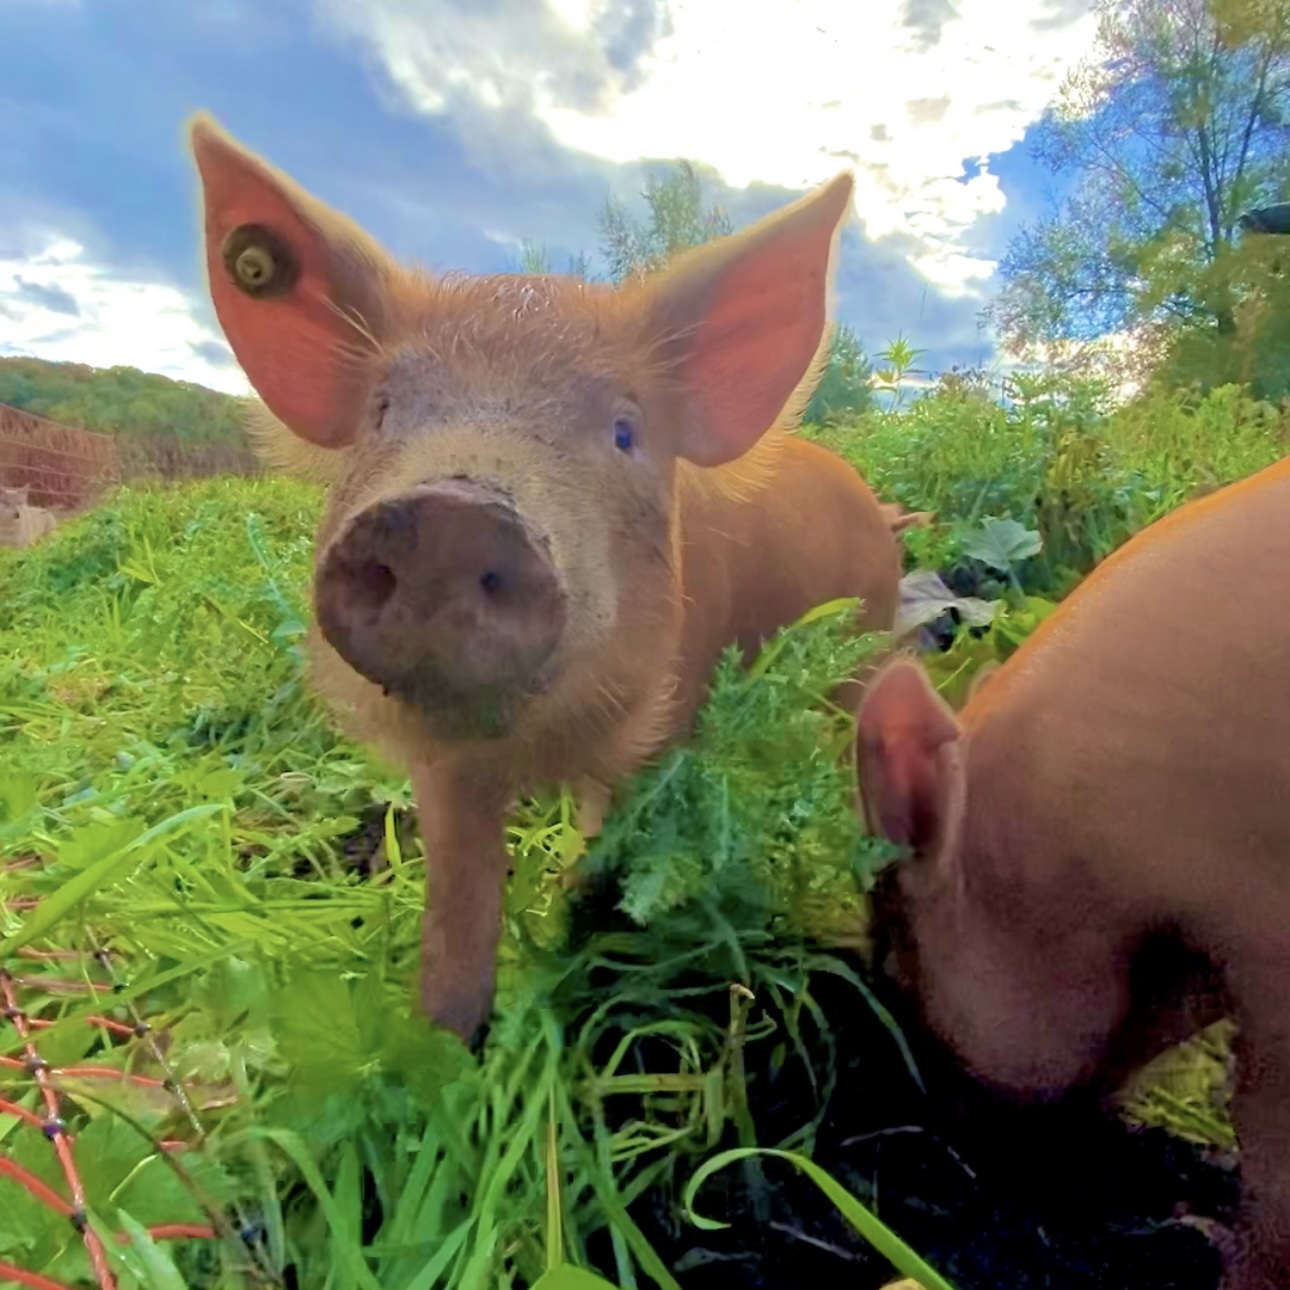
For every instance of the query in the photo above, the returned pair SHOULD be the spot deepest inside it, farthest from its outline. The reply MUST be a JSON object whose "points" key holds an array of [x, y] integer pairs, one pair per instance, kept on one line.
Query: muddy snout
{"points": [[440, 594]]}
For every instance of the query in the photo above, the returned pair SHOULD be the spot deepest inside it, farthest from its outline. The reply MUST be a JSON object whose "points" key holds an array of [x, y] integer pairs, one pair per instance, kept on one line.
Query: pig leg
{"points": [[593, 805], [1261, 1113], [462, 816], [1177, 993]]}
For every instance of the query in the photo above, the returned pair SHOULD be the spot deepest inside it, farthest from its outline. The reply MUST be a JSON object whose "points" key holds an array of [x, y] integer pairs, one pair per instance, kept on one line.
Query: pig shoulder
{"points": [[1142, 721]]}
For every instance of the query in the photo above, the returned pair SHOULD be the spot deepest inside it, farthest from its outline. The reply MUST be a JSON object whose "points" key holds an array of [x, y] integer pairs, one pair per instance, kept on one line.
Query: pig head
{"points": [[1026, 996], [1052, 963], [496, 593]]}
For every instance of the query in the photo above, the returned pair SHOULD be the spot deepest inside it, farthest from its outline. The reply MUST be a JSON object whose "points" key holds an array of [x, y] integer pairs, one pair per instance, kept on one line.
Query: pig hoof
{"points": [[464, 1018]]}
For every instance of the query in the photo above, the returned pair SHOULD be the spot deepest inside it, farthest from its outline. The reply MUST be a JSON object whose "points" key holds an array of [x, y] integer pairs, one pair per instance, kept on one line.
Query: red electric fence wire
{"points": [[62, 1141], [56, 1131]]}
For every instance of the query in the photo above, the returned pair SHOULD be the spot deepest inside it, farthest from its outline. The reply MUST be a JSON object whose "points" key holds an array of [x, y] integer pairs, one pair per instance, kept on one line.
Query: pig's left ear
{"points": [[741, 321], [301, 292], [907, 754]]}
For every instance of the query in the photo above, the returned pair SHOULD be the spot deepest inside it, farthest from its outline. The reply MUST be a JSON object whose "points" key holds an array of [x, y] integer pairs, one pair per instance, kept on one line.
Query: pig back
{"points": [[814, 532], [1143, 729]]}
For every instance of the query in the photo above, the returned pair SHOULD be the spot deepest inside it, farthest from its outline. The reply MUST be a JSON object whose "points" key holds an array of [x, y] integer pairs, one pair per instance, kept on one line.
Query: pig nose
{"points": [[440, 592]]}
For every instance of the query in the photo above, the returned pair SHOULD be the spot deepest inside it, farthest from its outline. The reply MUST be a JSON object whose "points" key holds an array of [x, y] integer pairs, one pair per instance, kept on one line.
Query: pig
{"points": [[21, 524], [900, 519], [1101, 838], [551, 504]]}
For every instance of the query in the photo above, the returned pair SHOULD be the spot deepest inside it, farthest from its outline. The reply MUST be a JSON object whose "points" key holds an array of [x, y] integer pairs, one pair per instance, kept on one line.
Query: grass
{"points": [[199, 841]]}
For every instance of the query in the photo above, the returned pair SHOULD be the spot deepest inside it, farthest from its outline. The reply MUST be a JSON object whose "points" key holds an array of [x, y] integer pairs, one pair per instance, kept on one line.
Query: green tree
{"points": [[677, 221], [120, 400], [535, 258], [845, 390], [1175, 126], [679, 218]]}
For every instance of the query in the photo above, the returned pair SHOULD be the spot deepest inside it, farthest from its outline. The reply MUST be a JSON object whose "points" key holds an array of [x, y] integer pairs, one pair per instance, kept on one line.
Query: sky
{"points": [[453, 130]]}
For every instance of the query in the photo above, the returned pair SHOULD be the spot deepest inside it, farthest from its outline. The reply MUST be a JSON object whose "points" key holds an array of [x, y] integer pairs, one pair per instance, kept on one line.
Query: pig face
{"points": [[505, 453], [1021, 984], [505, 512]]}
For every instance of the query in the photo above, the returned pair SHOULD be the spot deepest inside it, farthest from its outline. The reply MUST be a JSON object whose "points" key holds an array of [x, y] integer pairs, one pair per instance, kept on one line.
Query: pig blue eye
{"points": [[624, 435]]}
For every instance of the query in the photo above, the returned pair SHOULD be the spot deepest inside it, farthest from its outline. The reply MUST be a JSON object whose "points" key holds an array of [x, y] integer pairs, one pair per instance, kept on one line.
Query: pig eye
{"points": [[382, 407], [624, 434]]}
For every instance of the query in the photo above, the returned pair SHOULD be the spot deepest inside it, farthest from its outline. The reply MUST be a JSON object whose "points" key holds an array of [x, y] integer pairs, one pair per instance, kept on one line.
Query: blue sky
{"points": [[452, 129]]}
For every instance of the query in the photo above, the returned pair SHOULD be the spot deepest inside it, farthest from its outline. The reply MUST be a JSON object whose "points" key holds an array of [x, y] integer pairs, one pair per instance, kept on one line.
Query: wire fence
{"points": [[39, 988], [67, 469]]}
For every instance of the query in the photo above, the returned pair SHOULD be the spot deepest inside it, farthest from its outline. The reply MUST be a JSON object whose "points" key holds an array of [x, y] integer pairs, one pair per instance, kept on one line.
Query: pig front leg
{"points": [[593, 800], [593, 805], [462, 814]]}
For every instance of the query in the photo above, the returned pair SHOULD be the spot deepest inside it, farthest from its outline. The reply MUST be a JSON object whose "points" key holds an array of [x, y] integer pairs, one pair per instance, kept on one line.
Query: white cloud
{"points": [[57, 306], [782, 91]]}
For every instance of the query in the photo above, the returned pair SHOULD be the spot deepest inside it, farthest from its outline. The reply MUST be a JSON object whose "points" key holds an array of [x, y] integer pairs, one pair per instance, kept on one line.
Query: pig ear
{"points": [[742, 321], [903, 732], [300, 291]]}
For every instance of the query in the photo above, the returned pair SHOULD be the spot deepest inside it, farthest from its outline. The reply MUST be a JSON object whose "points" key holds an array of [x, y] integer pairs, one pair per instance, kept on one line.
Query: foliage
{"points": [[534, 258], [196, 811], [634, 248], [845, 390], [1174, 126], [120, 400], [677, 221], [258, 885], [1058, 459]]}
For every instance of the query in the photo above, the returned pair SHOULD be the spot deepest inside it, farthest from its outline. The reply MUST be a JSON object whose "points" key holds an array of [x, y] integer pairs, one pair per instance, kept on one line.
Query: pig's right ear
{"points": [[300, 291], [907, 753], [741, 322]]}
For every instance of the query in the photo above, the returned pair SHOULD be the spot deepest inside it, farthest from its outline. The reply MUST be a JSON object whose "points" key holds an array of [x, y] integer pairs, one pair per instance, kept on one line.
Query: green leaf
{"points": [[907, 1261], [343, 1247], [1002, 543], [103, 873], [567, 1277], [158, 1267]]}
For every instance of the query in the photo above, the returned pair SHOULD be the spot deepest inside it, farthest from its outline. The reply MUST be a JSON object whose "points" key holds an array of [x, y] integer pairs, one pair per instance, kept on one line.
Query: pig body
{"points": [[1118, 791], [20, 523], [551, 504]]}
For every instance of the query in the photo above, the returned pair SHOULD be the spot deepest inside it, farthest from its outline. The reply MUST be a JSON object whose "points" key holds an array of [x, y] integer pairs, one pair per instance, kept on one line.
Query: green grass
{"points": [[196, 814], [161, 751]]}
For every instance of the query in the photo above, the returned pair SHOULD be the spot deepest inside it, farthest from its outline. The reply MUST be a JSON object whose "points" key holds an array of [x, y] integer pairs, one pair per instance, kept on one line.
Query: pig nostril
{"points": [[491, 582], [375, 583]]}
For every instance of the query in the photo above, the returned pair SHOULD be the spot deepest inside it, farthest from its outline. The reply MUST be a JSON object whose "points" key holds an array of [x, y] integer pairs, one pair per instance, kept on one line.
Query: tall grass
{"points": [[193, 812]]}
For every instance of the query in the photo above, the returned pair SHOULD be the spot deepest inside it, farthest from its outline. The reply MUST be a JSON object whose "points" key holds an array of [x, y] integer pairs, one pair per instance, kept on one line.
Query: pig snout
{"points": [[440, 595]]}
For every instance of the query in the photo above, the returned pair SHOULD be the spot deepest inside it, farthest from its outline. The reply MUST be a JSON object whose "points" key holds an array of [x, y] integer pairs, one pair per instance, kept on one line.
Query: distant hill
{"points": [[120, 400]]}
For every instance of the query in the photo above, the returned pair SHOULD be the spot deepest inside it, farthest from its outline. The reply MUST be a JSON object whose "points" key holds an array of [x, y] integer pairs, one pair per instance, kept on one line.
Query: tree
{"points": [[534, 258], [677, 221], [120, 400], [845, 390], [1175, 127]]}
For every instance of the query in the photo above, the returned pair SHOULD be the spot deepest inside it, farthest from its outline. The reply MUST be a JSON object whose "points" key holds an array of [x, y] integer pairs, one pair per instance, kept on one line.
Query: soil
{"points": [[994, 1197]]}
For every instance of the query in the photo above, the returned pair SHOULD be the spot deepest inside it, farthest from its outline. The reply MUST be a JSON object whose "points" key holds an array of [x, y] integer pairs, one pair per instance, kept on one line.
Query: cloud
{"points": [[905, 93], [119, 322], [51, 298], [927, 19], [456, 130]]}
